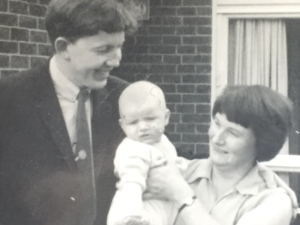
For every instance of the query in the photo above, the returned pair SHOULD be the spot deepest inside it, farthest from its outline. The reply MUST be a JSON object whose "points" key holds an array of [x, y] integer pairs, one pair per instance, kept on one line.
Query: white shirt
{"points": [[67, 93]]}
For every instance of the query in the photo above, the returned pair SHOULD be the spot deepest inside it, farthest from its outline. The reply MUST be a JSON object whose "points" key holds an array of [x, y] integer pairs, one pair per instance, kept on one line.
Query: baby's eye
{"points": [[150, 118], [132, 122]]}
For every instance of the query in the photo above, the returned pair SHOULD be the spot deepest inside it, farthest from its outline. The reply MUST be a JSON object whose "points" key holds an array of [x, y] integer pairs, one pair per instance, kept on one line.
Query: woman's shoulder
{"points": [[197, 168]]}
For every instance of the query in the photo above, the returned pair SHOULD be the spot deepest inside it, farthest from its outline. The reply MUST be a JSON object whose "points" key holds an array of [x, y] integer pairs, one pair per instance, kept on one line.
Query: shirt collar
{"points": [[63, 86], [249, 185]]}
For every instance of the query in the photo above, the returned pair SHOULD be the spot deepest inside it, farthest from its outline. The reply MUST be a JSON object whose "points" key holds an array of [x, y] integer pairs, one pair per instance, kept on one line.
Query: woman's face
{"points": [[231, 145]]}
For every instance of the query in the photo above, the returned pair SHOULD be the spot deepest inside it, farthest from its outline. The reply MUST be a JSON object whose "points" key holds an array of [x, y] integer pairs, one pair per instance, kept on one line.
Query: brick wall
{"points": [[173, 49], [23, 39]]}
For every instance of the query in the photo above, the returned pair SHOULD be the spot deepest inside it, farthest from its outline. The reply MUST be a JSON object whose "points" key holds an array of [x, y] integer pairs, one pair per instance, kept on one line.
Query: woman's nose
{"points": [[114, 58], [218, 137]]}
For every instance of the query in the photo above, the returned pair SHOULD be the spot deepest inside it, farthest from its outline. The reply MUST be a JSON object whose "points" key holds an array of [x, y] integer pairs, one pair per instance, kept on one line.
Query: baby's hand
{"points": [[132, 220]]}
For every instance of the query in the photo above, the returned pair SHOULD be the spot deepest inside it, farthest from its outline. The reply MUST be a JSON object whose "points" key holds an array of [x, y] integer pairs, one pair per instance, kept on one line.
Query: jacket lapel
{"points": [[48, 105]]}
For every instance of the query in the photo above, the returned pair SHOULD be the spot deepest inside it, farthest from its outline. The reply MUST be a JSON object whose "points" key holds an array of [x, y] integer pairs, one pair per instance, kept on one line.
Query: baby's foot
{"points": [[132, 220]]}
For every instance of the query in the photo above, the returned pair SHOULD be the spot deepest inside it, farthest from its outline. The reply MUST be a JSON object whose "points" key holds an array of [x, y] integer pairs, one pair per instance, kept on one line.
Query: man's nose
{"points": [[114, 58]]}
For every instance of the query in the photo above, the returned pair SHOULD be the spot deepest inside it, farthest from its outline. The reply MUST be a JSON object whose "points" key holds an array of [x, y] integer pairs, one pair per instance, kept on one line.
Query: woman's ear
{"points": [[61, 47], [167, 117]]}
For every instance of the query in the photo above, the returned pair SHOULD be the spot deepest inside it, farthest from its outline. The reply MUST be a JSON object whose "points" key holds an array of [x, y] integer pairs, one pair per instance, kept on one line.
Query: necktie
{"points": [[84, 159]]}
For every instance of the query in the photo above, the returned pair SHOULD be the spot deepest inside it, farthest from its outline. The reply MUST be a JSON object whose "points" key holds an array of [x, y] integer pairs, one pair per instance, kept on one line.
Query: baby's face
{"points": [[144, 124]]}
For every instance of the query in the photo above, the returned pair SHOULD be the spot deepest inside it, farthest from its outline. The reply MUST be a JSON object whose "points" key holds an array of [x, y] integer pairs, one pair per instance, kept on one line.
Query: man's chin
{"points": [[98, 84]]}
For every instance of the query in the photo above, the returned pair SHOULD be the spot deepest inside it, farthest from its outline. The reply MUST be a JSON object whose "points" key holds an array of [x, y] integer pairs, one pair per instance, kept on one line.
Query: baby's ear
{"points": [[167, 117]]}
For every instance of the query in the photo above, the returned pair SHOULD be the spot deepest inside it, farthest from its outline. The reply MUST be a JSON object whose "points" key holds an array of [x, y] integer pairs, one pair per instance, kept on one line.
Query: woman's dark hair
{"points": [[74, 19], [266, 112]]}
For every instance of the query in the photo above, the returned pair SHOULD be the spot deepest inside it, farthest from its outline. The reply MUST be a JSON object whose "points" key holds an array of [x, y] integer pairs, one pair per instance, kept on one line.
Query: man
{"points": [[45, 177]]}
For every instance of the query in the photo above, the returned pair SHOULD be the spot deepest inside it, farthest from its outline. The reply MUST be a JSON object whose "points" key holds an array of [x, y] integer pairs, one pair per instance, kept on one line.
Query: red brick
{"points": [[204, 49], [7, 73], [128, 58], [4, 33], [202, 150], [8, 20], [3, 5], [196, 59], [46, 50], [175, 118], [161, 30], [37, 10], [203, 108], [185, 128], [41, 24], [166, 11], [185, 150], [185, 30], [36, 61], [28, 49], [4, 61], [163, 49], [19, 61], [154, 20], [171, 107], [196, 98], [172, 20], [171, 2], [202, 128], [172, 40], [28, 22], [173, 98], [173, 136], [19, 34], [197, 2], [186, 69], [203, 89], [135, 49], [154, 78], [186, 49], [200, 40], [163, 68], [197, 21], [149, 59], [204, 30], [196, 118], [194, 138], [38, 36], [18, 7], [133, 69], [173, 59], [30, 1], [8, 47], [203, 68], [185, 108], [196, 79], [172, 78], [168, 88], [185, 88], [148, 40], [155, 3], [170, 127], [186, 11], [204, 11]]}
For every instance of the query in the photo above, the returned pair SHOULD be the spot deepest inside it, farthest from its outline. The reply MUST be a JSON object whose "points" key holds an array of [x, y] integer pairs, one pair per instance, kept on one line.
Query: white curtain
{"points": [[258, 53]]}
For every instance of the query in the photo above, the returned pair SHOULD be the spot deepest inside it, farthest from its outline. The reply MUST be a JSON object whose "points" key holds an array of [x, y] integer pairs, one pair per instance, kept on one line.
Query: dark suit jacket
{"points": [[39, 182]]}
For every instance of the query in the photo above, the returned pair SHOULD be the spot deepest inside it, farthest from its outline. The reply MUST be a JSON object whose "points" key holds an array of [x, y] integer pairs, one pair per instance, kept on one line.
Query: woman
{"points": [[250, 124]]}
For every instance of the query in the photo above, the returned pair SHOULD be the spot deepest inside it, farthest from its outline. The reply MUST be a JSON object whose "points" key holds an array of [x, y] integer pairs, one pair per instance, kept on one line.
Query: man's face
{"points": [[92, 58]]}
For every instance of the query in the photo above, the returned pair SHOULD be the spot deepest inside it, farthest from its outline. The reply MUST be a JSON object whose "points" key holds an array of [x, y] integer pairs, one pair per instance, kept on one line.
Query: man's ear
{"points": [[61, 47], [167, 117]]}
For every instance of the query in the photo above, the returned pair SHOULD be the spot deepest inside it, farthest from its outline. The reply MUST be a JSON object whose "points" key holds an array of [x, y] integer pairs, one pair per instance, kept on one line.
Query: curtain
{"points": [[258, 53]]}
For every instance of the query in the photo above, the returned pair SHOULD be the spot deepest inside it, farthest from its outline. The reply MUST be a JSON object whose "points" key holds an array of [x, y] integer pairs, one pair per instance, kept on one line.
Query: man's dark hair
{"points": [[266, 112], [74, 19]]}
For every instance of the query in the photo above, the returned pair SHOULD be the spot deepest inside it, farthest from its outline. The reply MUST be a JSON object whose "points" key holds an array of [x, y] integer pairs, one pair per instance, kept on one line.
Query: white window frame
{"points": [[223, 11]]}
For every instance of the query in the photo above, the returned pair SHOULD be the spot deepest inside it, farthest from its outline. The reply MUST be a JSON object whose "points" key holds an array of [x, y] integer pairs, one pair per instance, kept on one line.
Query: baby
{"points": [[143, 117]]}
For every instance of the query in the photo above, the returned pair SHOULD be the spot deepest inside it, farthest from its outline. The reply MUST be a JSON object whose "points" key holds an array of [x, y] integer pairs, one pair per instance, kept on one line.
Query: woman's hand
{"points": [[166, 182]]}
